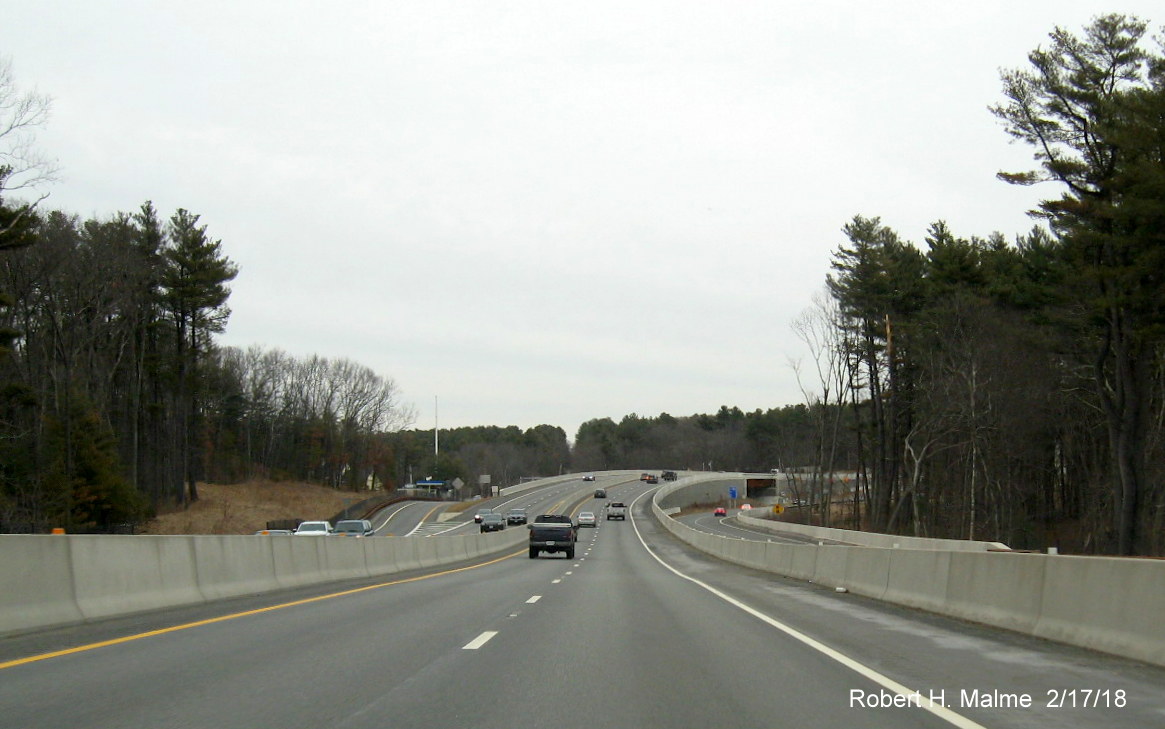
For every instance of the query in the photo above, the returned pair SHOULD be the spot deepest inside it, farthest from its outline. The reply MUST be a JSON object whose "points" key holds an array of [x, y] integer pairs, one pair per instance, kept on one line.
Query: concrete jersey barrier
{"points": [[62, 579], [1108, 604]]}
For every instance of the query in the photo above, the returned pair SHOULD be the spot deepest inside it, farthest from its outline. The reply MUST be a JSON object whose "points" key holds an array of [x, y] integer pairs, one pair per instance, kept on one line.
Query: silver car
{"points": [[587, 519], [313, 529]]}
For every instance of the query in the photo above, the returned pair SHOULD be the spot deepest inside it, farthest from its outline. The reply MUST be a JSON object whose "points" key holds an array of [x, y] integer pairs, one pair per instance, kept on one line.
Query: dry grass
{"points": [[247, 507]]}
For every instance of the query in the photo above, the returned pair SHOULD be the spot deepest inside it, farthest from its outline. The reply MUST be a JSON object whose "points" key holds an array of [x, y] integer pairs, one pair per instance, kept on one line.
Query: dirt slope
{"points": [[247, 507]]}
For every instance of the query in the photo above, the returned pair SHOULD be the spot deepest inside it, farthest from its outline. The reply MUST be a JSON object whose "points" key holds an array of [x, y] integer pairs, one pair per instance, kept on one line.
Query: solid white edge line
{"points": [[886, 682], [479, 641]]}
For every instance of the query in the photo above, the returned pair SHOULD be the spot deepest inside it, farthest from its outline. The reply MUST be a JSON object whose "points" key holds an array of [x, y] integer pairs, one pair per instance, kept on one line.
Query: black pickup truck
{"points": [[552, 533]]}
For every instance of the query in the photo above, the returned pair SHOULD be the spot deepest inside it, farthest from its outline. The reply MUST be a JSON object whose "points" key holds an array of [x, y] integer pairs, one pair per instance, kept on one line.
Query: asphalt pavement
{"points": [[638, 631]]}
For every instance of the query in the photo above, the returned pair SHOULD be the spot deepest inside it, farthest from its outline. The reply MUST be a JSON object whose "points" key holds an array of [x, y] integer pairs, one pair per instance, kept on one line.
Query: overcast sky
{"points": [[538, 212]]}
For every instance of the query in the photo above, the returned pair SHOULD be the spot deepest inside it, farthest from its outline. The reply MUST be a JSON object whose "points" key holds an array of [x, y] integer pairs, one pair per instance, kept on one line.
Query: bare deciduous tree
{"points": [[23, 167]]}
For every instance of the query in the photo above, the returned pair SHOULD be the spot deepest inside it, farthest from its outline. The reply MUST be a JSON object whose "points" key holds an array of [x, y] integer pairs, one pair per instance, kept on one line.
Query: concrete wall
{"points": [[703, 488], [511, 490], [870, 539], [59, 579], [1105, 604]]}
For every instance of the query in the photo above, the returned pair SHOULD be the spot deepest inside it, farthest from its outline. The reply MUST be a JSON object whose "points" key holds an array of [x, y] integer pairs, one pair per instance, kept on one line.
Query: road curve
{"points": [[638, 631]]}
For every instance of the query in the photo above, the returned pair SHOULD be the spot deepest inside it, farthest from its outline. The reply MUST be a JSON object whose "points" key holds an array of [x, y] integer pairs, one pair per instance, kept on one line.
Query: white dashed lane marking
{"points": [[480, 640]]}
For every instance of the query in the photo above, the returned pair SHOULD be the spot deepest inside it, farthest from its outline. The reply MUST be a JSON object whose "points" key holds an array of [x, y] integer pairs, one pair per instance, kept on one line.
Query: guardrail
{"points": [[1108, 604]]}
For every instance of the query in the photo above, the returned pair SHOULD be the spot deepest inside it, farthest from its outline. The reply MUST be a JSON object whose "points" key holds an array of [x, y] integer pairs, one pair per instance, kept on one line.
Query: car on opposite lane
{"points": [[353, 528], [492, 523], [313, 529]]}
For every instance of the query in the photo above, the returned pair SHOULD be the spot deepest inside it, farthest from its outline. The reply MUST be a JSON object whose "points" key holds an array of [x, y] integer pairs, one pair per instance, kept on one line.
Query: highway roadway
{"points": [[728, 526], [638, 631]]}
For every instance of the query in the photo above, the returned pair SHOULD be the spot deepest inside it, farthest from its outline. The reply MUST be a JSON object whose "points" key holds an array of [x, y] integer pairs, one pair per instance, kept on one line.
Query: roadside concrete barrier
{"points": [[1106, 604]]}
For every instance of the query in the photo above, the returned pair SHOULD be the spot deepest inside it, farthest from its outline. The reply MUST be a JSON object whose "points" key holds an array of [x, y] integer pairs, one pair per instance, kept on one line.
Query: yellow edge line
{"points": [[258, 611]]}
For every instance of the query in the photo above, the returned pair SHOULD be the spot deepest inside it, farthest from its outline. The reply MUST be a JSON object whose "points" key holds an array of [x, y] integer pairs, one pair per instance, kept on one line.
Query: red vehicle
{"points": [[720, 511]]}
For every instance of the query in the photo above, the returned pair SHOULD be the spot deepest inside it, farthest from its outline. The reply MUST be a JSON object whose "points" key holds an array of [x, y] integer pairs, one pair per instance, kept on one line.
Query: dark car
{"points": [[492, 523], [600, 494], [589, 477], [552, 533], [516, 516], [353, 528]]}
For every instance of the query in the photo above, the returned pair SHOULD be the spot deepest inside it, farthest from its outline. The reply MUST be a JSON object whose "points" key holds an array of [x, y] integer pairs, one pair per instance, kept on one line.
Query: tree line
{"points": [[1015, 392], [980, 387], [108, 327]]}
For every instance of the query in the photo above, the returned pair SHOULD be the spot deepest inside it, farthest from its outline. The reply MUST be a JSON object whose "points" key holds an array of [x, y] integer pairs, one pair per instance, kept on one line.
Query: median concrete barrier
{"points": [[116, 576], [37, 574], [232, 566], [61, 579], [408, 555]]}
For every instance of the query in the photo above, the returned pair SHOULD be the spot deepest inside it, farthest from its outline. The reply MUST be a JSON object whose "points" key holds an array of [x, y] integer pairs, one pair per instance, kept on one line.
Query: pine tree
{"points": [[194, 295], [1091, 107]]}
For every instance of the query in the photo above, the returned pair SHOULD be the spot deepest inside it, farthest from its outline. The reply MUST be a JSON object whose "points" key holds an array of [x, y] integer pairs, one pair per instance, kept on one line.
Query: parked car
{"points": [[587, 519], [516, 516], [313, 529], [481, 514], [492, 522], [353, 528], [720, 511]]}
